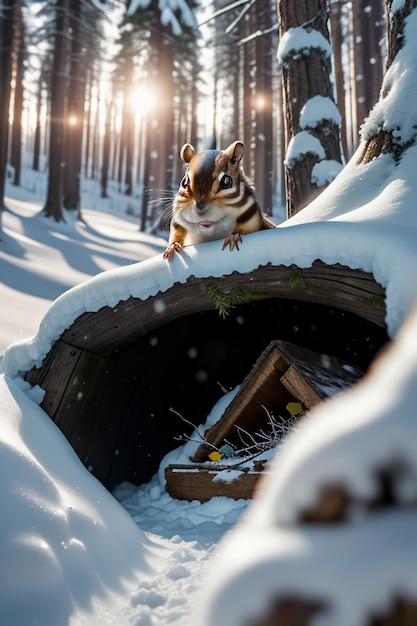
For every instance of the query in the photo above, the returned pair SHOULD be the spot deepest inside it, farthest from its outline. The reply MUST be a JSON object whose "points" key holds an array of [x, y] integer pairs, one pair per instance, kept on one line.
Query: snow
{"points": [[301, 144], [325, 171], [363, 563], [55, 521], [318, 110], [299, 41], [72, 554], [352, 571], [391, 113]]}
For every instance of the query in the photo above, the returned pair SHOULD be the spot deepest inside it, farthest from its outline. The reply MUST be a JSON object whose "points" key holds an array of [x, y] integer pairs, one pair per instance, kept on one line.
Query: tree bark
{"points": [[382, 141], [106, 153], [16, 139], [161, 148], [73, 131], [53, 204], [38, 125], [367, 68], [337, 42], [6, 42], [263, 128], [306, 74]]}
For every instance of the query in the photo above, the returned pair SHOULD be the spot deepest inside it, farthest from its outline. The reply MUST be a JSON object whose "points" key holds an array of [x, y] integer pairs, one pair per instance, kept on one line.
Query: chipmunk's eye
{"points": [[226, 182], [185, 182]]}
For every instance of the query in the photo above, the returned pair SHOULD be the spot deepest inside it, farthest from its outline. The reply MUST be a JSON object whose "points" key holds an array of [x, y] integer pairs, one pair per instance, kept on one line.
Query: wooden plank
{"points": [[36, 375], [195, 484], [75, 415], [56, 373], [261, 390], [300, 388], [324, 375]]}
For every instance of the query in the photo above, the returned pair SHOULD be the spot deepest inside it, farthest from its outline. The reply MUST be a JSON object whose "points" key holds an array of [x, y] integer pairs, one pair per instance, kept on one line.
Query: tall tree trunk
{"points": [[38, 125], [306, 70], [75, 114], [215, 120], [53, 205], [337, 43], [6, 42], [88, 124], [161, 148], [367, 62], [16, 138], [105, 162], [263, 128], [385, 140], [128, 130], [146, 130], [248, 106], [193, 114]]}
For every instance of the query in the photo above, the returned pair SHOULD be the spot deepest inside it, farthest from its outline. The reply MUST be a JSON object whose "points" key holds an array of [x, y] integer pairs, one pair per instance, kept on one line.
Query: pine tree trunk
{"points": [[75, 115], [106, 154], [16, 139], [53, 205], [37, 137], [306, 76], [161, 148], [337, 43], [382, 141], [263, 128], [6, 42]]}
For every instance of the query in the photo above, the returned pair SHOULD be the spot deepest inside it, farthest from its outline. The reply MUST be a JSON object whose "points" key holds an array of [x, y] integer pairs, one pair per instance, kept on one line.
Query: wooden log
{"points": [[200, 483], [110, 328], [96, 341]]}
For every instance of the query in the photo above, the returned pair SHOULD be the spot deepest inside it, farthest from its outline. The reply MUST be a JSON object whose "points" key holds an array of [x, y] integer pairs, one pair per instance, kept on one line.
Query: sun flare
{"points": [[143, 99]]}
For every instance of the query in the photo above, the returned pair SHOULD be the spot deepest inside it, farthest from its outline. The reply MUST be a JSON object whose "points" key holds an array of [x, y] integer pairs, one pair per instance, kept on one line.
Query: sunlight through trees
{"points": [[110, 91]]}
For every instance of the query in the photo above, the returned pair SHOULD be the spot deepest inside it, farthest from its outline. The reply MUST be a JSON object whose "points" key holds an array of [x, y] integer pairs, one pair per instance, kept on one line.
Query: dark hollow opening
{"points": [[187, 363]]}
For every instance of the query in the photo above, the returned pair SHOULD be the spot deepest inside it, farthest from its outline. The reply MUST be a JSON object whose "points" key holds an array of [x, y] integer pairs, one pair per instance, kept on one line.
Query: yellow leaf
{"points": [[294, 408], [215, 456]]}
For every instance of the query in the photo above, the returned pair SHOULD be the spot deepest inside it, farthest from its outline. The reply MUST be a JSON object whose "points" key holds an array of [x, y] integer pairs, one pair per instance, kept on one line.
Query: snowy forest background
{"points": [[109, 91]]}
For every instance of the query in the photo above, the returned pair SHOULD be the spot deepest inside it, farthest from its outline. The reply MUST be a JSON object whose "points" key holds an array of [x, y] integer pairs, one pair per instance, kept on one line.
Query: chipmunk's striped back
{"points": [[215, 200]]}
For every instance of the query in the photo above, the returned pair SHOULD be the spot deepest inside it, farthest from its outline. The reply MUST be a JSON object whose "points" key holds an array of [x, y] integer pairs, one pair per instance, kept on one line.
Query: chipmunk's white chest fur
{"points": [[214, 223]]}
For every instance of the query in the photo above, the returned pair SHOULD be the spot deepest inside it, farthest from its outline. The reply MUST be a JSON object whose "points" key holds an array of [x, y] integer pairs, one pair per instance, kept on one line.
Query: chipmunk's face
{"points": [[205, 203]]}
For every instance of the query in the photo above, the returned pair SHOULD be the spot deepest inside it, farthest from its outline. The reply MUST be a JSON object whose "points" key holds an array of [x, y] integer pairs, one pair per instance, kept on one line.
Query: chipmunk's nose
{"points": [[201, 206]]}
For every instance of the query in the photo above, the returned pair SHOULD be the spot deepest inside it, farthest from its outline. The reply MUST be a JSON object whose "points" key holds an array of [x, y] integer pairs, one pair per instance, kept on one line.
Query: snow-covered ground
{"points": [[68, 548], [71, 554], [40, 260]]}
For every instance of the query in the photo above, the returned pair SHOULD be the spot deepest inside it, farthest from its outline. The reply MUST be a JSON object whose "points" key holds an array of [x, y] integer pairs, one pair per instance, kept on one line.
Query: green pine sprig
{"points": [[223, 301]]}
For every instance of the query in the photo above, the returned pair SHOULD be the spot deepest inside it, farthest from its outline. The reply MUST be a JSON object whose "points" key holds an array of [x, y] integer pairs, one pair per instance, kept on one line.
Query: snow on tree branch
{"points": [[301, 144], [298, 42], [318, 110]]}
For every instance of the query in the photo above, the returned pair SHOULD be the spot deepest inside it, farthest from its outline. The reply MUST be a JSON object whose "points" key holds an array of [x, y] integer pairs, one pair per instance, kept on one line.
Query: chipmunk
{"points": [[214, 201]]}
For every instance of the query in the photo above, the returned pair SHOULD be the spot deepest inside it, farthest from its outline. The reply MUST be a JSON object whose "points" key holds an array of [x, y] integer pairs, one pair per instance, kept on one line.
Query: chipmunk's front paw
{"points": [[175, 246], [232, 241]]}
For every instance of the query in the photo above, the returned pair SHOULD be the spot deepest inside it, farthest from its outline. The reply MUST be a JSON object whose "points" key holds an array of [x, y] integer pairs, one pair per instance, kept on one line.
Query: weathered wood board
{"points": [[106, 330], [197, 483]]}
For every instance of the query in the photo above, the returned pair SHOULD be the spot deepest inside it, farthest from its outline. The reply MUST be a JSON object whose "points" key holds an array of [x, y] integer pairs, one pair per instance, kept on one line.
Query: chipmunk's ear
{"points": [[186, 152], [235, 151]]}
